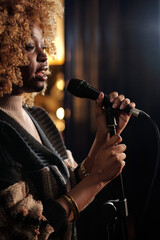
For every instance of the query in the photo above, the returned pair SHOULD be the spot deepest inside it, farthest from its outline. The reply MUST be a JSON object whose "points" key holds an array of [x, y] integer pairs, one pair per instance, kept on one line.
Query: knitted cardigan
{"points": [[32, 177]]}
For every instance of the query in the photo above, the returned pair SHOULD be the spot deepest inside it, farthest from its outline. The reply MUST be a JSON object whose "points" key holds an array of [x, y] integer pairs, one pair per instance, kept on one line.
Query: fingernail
{"points": [[131, 105], [121, 107], [100, 95], [114, 105]]}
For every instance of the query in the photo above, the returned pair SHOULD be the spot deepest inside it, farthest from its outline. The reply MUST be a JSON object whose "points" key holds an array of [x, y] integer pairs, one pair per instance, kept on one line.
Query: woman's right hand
{"points": [[108, 164], [109, 160]]}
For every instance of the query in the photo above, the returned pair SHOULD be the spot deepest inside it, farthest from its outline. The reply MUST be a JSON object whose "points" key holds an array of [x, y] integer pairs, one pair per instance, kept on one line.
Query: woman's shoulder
{"points": [[5, 126]]}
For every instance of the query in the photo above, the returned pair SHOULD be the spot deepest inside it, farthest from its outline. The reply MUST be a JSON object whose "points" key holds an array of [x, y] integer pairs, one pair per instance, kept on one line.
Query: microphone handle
{"points": [[93, 94], [133, 111], [82, 89]]}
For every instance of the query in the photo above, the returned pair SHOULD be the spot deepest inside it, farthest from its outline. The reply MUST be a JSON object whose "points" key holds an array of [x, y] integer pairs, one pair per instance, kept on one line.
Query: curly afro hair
{"points": [[15, 19]]}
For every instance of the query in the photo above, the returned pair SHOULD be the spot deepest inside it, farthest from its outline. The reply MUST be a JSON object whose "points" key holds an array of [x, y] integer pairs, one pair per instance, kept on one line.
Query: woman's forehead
{"points": [[36, 32]]}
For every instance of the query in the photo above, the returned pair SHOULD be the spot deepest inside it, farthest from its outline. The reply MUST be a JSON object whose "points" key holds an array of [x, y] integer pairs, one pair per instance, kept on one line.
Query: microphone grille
{"points": [[75, 87]]}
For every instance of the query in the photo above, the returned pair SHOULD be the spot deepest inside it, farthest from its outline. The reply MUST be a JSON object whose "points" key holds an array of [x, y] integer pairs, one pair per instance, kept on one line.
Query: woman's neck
{"points": [[11, 103]]}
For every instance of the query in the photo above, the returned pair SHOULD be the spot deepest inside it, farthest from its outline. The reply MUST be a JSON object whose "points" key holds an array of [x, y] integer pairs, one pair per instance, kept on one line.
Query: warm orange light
{"points": [[60, 113], [60, 56], [60, 84], [60, 124]]}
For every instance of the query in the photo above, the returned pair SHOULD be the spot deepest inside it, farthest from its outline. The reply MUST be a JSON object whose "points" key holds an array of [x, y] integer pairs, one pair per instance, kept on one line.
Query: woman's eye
{"points": [[29, 47]]}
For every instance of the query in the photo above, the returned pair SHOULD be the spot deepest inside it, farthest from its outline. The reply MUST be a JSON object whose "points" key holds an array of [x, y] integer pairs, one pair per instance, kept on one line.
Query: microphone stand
{"points": [[115, 212]]}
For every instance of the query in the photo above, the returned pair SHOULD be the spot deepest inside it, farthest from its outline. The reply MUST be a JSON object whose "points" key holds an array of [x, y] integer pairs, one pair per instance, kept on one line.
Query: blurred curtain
{"points": [[81, 19], [115, 45]]}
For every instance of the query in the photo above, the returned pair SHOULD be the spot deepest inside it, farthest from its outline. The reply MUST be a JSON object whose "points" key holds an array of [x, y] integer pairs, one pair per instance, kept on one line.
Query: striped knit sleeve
{"points": [[73, 169], [21, 216]]}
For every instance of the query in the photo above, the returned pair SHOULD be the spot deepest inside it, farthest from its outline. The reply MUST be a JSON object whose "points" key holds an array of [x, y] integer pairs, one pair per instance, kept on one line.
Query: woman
{"points": [[42, 190]]}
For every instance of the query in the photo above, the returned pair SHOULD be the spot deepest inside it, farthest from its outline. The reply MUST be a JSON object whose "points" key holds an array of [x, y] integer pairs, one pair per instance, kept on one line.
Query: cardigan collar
{"points": [[46, 147]]}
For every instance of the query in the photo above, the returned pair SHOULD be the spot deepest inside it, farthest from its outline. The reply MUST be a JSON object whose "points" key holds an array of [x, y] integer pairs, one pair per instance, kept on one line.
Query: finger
{"points": [[120, 158], [123, 157], [118, 151], [113, 95], [117, 102], [124, 103], [119, 148], [108, 137], [116, 139], [99, 108], [132, 105], [122, 165], [100, 98]]}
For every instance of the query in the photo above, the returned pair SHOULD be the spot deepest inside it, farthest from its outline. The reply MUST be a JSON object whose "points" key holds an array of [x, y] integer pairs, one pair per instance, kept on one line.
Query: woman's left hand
{"points": [[122, 118]]}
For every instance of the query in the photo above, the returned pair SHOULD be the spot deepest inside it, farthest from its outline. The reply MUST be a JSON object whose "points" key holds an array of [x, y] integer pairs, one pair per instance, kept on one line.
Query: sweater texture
{"points": [[32, 177]]}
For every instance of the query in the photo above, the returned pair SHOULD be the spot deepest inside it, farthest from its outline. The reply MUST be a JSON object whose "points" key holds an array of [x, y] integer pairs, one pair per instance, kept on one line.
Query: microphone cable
{"points": [[155, 170], [82, 89]]}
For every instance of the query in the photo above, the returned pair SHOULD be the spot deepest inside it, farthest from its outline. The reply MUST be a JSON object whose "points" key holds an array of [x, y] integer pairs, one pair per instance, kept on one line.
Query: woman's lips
{"points": [[41, 76]]}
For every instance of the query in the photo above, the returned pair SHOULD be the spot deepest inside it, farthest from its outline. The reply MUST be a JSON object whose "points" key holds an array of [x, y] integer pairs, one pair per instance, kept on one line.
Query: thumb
{"points": [[99, 101]]}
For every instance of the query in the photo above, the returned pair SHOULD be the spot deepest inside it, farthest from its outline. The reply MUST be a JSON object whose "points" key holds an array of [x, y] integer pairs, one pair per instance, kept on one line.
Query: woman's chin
{"points": [[37, 87]]}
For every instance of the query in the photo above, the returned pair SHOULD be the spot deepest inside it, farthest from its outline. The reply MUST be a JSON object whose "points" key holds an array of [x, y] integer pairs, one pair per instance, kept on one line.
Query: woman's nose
{"points": [[42, 57]]}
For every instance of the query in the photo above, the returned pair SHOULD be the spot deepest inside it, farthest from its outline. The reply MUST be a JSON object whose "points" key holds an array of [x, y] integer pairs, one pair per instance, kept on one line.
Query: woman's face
{"points": [[33, 75]]}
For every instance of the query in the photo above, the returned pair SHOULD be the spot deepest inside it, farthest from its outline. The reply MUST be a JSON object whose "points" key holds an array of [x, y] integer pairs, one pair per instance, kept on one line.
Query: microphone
{"points": [[82, 89]]}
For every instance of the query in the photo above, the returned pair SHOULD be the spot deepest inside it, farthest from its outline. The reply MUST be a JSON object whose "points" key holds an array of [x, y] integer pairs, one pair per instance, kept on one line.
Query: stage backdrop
{"points": [[115, 45]]}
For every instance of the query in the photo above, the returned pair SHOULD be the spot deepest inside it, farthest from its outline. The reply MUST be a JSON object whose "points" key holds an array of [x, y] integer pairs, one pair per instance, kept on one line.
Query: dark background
{"points": [[115, 45]]}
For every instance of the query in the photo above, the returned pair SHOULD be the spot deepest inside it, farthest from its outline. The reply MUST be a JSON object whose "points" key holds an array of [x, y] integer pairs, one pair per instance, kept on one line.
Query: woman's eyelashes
{"points": [[30, 47]]}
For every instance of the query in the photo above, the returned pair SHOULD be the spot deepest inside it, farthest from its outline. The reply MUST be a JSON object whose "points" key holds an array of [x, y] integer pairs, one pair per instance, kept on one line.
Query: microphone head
{"points": [[82, 89], [77, 87]]}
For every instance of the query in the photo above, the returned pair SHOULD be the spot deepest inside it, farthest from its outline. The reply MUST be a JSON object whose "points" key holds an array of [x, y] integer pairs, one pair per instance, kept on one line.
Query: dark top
{"points": [[45, 168]]}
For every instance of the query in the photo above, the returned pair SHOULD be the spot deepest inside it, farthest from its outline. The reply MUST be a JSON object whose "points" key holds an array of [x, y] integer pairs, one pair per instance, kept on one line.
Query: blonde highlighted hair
{"points": [[15, 19]]}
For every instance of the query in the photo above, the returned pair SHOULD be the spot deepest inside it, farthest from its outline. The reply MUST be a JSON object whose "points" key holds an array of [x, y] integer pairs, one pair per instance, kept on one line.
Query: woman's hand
{"points": [[122, 118], [120, 102], [108, 164], [109, 160]]}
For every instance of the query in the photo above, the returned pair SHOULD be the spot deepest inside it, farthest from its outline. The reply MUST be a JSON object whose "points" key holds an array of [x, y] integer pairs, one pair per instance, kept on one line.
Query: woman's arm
{"points": [[108, 164], [105, 159]]}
